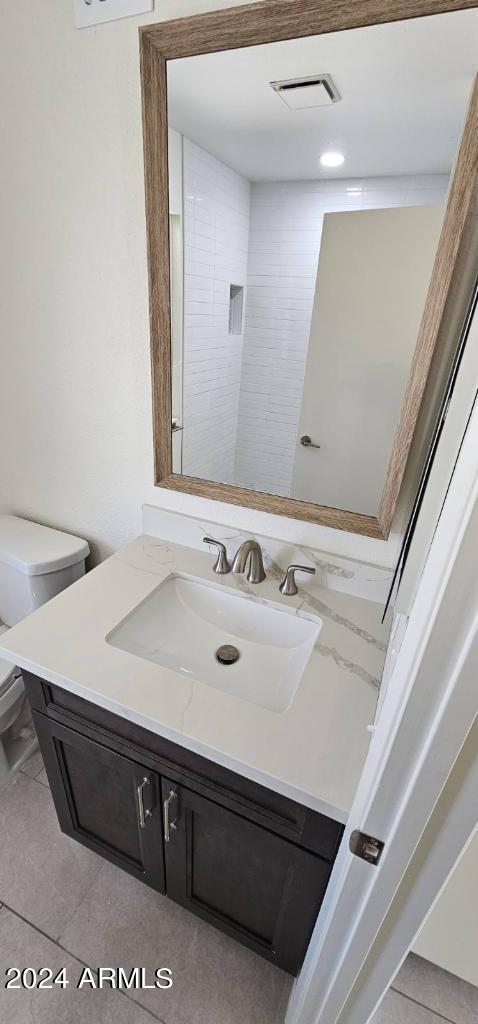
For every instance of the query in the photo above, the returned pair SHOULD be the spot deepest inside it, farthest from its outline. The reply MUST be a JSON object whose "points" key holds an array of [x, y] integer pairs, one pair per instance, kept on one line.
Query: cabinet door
{"points": [[249, 882], [104, 800]]}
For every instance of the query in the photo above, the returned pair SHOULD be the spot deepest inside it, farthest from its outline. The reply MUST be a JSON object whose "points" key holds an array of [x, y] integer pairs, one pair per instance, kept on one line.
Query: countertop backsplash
{"points": [[360, 579]]}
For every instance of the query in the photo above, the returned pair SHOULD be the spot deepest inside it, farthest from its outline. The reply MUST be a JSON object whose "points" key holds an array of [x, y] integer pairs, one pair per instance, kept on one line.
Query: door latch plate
{"points": [[366, 847]]}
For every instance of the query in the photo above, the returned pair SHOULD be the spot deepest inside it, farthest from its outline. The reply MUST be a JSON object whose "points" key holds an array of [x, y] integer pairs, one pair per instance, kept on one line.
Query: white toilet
{"points": [[35, 564]]}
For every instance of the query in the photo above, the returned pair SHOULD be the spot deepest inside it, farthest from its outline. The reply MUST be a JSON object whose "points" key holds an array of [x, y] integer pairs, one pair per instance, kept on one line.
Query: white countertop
{"points": [[312, 752]]}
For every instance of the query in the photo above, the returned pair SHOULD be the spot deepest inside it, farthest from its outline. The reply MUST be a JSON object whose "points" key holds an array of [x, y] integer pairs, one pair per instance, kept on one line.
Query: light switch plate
{"points": [[94, 12]]}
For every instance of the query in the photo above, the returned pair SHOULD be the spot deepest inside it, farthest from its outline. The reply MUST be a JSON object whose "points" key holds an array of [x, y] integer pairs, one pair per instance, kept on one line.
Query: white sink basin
{"points": [[184, 622]]}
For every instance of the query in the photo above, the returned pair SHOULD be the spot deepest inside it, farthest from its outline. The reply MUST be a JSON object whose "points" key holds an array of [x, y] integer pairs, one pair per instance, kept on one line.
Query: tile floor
{"points": [[62, 906]]}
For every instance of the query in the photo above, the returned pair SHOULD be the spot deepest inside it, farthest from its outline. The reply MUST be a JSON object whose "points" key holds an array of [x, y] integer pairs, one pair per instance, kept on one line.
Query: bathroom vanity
{"points": [[227, 787], [244, 858]]}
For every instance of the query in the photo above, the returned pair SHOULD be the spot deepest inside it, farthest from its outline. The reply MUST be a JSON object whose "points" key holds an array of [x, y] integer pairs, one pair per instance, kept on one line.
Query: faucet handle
{"points": [[221, 565], [288, 586]]}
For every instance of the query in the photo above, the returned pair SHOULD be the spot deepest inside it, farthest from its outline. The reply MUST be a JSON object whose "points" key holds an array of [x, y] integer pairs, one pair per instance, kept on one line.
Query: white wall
{"points": [[449, 936], [284, 246], [216, 232], [75, 391]]}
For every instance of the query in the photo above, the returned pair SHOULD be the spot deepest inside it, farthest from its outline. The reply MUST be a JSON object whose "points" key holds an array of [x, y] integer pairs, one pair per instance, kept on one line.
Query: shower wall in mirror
{"points": [[308, 184], [302, 303]]}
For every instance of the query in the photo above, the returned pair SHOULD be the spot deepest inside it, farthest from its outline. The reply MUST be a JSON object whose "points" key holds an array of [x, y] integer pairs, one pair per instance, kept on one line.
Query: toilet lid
{"points": [[7, 676], [34, 550]]}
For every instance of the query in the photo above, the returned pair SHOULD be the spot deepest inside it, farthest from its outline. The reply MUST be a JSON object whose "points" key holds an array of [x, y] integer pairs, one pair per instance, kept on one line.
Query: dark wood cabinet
{"points": [[254, 885], [106, 801], [244, 858]]}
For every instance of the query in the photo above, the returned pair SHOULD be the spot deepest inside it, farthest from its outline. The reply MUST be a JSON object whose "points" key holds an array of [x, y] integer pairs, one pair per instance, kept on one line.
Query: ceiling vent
{"points": [[300, 93]]}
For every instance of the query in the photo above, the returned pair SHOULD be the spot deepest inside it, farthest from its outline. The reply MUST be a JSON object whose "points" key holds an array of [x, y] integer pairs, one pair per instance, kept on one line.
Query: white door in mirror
{"points": [[93, 12]]}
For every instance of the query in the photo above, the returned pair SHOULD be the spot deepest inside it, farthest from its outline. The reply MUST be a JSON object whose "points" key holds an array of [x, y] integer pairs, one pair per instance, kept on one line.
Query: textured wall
{"points": [[75, 391]]}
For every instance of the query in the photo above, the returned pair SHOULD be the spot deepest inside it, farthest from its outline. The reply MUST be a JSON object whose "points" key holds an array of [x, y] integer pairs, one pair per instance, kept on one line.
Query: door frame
{"points": [[428, 710]]}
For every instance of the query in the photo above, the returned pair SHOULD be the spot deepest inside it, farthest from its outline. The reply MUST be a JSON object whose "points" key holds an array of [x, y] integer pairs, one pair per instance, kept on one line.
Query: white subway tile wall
{"points": [[284, 243], [216, 232], [243, 392]]}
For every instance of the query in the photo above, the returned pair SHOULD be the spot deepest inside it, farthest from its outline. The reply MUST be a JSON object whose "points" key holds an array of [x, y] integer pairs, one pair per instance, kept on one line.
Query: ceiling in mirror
{"points": [[403, 87], [297, 289]]}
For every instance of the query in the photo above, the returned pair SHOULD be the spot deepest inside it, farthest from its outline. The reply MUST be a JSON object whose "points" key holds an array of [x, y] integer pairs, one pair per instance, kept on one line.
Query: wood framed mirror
{"points": [[319, 327]]}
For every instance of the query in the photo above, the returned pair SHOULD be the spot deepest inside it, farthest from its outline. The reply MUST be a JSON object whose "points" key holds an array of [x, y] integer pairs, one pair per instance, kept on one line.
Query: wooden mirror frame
{"points": [[251, 25]]}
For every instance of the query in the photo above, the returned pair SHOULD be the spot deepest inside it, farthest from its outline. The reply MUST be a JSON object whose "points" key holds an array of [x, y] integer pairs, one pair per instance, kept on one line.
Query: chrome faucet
{"points": [[250, 552], [288, 586], [221, 565]]}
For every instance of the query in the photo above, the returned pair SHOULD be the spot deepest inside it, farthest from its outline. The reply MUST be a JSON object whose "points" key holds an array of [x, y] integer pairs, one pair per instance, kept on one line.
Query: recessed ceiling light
{"points": [[332, 159]]}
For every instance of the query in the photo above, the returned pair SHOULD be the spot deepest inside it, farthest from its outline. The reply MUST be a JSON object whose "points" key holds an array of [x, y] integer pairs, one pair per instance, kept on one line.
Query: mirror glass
{"points": [[308, 182]]}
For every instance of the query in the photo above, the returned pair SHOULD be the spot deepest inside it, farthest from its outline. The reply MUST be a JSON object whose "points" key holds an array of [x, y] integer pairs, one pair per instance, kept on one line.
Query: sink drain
{"points": [[227, 654]]}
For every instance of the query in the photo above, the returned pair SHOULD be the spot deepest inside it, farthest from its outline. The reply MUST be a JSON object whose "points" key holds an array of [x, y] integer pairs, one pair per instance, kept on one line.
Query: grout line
{"points": [[435, 1013], [36, 928], [120, 991], [33, 778], [5, 906], [36, 778]]}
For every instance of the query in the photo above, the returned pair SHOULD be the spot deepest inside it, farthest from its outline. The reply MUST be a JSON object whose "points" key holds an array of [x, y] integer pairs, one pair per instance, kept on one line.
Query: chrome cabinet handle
{"points": [[288, 587], [169, 826], [221, 566], [307, 442], [143, 814]]}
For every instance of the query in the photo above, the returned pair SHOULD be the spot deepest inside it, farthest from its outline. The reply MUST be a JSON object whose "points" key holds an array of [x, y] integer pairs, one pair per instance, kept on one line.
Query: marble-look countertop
{"points": [[312, 752]]}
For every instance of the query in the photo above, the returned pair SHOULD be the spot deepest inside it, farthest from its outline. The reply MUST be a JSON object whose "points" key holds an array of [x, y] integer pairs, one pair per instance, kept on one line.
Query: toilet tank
{"points": [[36, 563]]}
